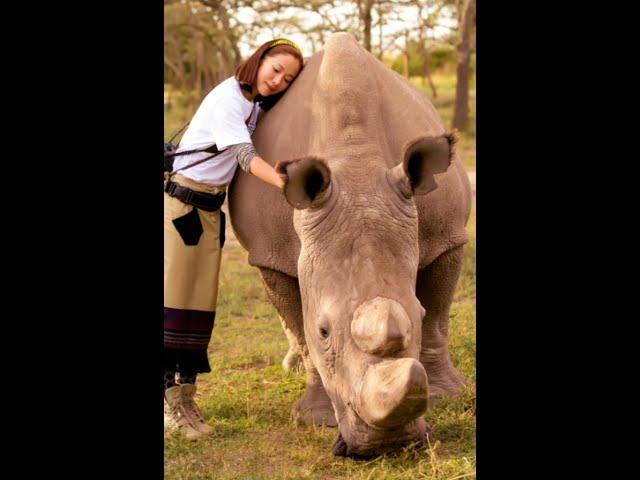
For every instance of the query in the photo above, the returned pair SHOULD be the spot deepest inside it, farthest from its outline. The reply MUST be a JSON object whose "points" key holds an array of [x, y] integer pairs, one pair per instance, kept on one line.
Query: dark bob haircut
{"points": [[247, 72]]}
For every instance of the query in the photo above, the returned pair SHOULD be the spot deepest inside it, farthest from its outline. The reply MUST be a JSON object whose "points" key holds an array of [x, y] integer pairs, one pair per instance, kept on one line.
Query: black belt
{"points": [[204, 201]]}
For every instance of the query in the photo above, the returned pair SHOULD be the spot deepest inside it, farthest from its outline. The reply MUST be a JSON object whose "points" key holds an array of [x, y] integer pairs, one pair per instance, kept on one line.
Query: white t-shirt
{"points": [[220, 119]]}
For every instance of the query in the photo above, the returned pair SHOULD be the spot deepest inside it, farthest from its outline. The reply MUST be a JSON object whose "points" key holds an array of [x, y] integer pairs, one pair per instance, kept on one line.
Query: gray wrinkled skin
{"points": [[361, 254]]}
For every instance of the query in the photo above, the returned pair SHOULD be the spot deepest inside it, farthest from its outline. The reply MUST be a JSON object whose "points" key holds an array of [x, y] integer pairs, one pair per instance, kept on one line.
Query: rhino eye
{"points": [[324, 333]]}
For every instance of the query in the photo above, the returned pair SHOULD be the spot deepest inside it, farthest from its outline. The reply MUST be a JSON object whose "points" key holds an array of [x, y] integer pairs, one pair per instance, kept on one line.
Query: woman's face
{"points": [[276, 73]]}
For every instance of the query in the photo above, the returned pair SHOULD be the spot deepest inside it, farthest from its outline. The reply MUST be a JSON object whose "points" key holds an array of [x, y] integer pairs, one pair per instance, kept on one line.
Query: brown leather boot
{"points": [[178, 417], [190, 407]]}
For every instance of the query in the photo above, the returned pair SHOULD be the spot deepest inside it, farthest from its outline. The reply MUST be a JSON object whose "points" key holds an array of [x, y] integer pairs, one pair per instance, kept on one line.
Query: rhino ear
{"points": [[422, 159], [308, 181]]}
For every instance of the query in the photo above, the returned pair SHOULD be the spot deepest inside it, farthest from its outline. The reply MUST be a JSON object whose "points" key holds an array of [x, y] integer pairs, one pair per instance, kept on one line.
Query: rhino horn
{"points": [[393, 393], [308, 181], [381, 326]]}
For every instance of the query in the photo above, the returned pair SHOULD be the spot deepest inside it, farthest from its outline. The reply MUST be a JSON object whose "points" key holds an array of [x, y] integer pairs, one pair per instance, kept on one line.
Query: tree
{"points": [[203, 37], [426, 21], [364, 13], [200, 44], [461, 109]]}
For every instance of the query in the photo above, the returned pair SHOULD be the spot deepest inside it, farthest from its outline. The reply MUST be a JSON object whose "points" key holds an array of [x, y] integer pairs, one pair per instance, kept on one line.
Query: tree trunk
{"points": [[461, 110], [177, 71], [405, 56], [199, 65], [364, 7], [380, 20], [426, 73]]}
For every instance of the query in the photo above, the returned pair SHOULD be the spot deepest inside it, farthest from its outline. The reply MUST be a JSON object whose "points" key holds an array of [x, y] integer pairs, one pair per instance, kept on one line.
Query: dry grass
{"points": [[248, 397]]}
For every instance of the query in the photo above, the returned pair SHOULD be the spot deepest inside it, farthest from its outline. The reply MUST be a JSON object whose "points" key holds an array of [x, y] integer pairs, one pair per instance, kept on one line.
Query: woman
{"points": [[193, 228]]}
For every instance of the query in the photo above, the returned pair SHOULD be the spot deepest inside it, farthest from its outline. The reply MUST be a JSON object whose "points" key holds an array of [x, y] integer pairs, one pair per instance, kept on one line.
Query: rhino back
{"points": [[305, 123]]}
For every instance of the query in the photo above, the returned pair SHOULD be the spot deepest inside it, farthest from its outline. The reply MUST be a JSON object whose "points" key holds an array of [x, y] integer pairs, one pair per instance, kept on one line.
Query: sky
{"points": [[246, 16]]}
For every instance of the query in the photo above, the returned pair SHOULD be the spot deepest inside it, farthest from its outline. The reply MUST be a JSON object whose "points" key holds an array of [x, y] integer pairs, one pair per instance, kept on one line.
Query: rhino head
{"points": [[358, 230]]}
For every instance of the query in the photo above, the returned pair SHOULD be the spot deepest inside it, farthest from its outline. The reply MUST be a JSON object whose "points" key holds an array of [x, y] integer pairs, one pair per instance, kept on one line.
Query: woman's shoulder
{"points": [[228, 92], [228, 85]]}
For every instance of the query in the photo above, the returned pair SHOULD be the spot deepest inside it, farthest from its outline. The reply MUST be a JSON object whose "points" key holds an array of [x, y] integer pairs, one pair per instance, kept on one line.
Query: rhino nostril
{"points": [[324, 333]]}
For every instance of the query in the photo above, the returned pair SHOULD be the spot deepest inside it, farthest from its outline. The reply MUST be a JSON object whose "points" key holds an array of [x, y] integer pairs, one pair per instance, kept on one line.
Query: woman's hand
{"points": [[267, 173], [281, 170]]}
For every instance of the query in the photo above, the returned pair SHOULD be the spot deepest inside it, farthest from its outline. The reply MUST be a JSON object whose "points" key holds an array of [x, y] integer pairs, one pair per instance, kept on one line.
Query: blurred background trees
{"points": [[204, 40]]}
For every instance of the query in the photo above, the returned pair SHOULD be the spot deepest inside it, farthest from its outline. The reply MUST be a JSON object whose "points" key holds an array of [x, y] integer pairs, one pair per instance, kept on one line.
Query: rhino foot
{"points": [[292, 362], [306, 411], [445, 384]]}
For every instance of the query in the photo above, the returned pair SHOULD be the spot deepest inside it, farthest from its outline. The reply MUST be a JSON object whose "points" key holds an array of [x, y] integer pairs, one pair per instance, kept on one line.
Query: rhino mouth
{"points": [[387, 412]]}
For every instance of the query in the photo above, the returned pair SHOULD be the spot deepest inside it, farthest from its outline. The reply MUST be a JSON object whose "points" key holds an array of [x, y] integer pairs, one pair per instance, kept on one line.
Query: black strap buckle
{"points": [[204, 201], [170, 187], [187, 196]]}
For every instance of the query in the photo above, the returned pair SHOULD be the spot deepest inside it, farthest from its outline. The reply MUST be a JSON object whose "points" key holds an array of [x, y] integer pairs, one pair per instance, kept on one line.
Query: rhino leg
{"points": [[292, 361], [435, 287], [314, 406]]}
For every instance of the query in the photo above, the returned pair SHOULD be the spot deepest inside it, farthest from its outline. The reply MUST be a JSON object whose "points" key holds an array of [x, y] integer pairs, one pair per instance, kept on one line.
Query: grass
{"points": [[247, 397]]}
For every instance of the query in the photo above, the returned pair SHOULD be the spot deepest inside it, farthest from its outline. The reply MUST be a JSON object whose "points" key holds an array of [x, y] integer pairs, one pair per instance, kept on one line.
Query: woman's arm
{"points": [[265, 172], [250, 162]]}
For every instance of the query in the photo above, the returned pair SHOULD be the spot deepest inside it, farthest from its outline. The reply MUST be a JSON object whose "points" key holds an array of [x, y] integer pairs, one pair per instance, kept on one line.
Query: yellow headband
{"points": [[285, 42]]}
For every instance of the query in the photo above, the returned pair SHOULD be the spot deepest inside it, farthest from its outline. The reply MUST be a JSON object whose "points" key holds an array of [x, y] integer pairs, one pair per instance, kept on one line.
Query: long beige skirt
{"points": [[191, 274]]}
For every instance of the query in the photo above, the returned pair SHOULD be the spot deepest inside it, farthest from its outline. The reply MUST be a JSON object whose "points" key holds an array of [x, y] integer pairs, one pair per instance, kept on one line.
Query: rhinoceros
{"points": [[361, 254]]}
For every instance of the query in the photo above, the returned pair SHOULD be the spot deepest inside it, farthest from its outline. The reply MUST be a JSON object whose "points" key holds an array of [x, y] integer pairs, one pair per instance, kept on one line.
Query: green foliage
{"points": [[415, 62], [439, 58], [198, 48], [445, 82]]}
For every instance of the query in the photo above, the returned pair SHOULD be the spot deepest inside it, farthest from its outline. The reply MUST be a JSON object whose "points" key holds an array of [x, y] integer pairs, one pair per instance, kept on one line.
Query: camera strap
{"points": [[212, 149], [197, 162], [176, 134]]}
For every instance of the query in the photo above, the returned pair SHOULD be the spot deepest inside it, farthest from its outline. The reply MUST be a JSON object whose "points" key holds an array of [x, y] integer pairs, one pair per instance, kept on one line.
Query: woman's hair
{"points": [[247, 72]]}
